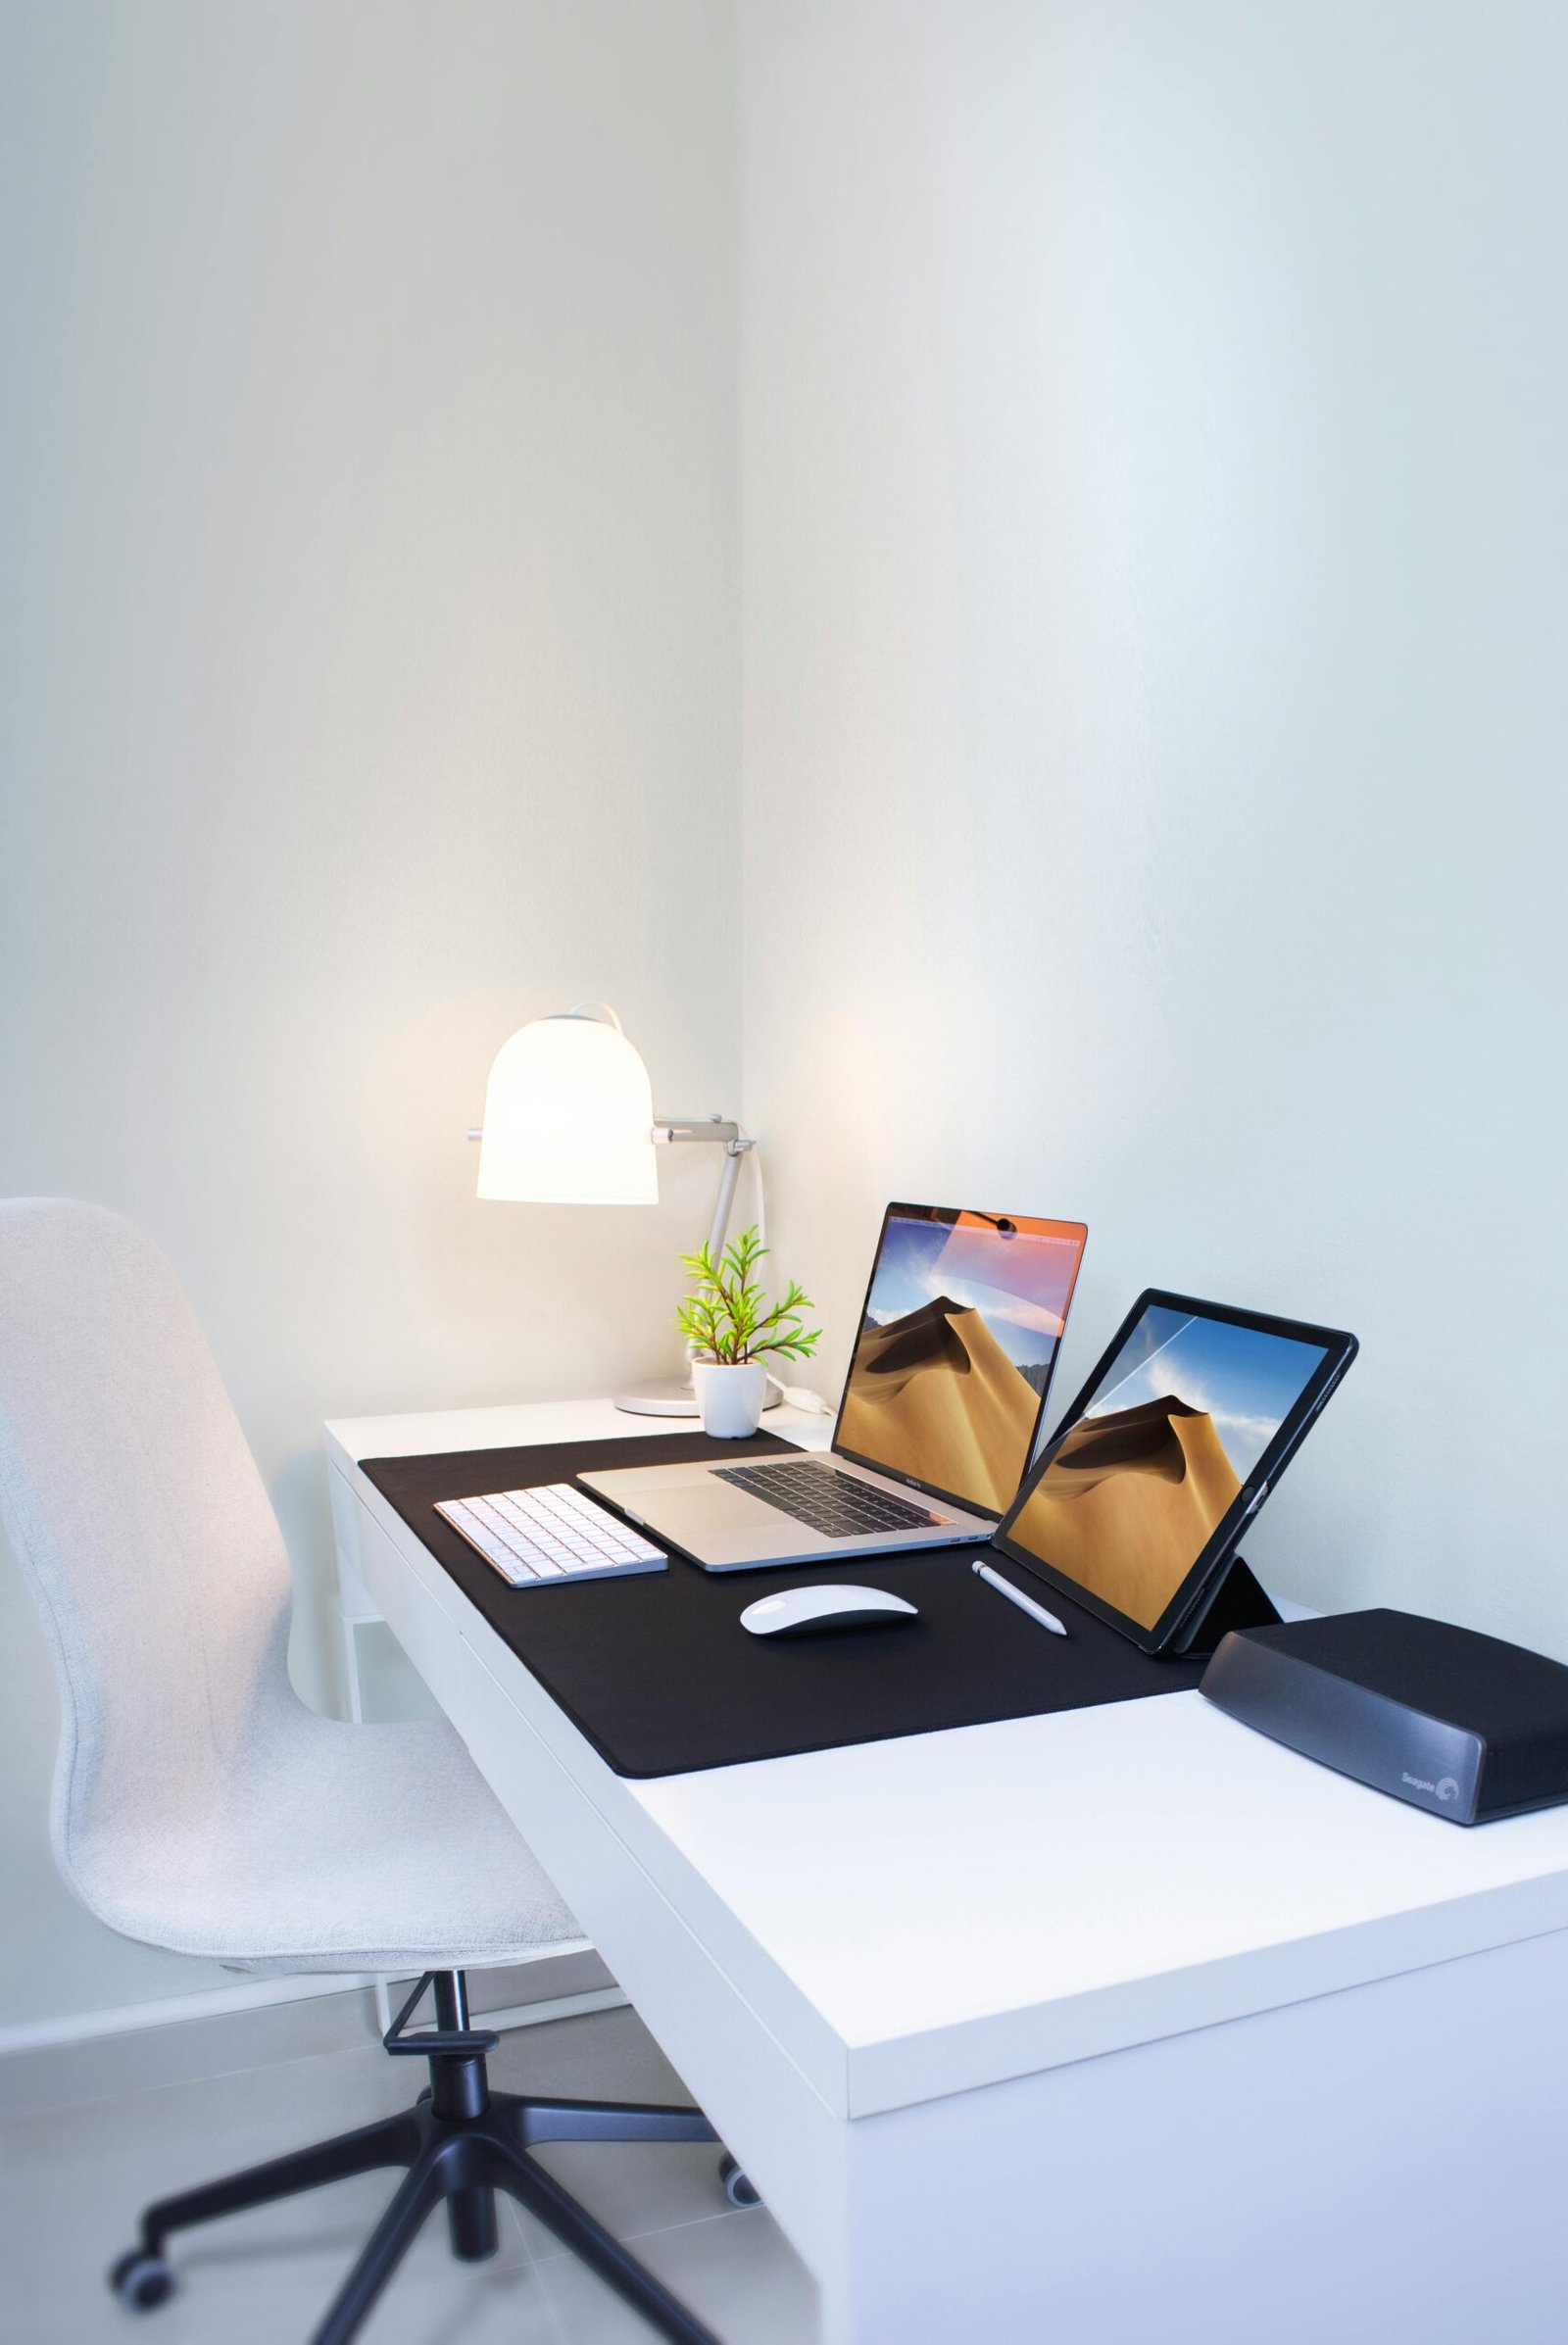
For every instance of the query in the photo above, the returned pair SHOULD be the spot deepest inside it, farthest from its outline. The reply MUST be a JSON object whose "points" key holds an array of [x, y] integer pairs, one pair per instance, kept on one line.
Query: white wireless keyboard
{"points": [[551, 1533]]}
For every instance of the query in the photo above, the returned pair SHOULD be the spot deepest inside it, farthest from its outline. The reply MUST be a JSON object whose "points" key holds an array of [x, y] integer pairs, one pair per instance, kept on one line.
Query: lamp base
{"points": [[673, 1396]]}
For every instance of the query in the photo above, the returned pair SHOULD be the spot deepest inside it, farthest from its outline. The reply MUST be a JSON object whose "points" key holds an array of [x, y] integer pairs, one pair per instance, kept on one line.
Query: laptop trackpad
{"points": [[715, 1506]]}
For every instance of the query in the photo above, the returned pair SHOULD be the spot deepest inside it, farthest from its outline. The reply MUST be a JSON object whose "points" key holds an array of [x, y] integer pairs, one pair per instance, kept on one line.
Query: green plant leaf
{"points": [[728, 1315]]}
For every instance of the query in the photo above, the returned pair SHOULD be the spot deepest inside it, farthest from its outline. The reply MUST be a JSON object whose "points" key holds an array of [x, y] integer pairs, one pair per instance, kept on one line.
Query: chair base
{"points": [[459, 2145]]}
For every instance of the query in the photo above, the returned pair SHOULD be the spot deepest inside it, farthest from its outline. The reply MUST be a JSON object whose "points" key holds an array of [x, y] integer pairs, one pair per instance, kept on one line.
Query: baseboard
{"points": [[171, 2011], [61, 2063]]}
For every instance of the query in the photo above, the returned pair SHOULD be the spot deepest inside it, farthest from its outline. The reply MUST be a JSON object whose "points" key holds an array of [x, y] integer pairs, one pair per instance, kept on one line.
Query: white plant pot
{"points": [[729, 1399]]}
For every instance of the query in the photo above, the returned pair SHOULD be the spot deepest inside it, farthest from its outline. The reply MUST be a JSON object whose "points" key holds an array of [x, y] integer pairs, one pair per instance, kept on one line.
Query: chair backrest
{"points": [[141, 1524]]}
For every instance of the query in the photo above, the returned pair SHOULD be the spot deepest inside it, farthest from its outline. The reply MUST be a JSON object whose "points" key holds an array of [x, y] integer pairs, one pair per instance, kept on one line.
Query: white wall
{"points": [[1154, 504], [1153, 496], [367, 684]]}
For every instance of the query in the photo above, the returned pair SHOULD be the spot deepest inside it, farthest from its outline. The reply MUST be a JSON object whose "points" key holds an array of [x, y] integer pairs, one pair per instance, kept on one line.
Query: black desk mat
{"points": [[658, 1675]]}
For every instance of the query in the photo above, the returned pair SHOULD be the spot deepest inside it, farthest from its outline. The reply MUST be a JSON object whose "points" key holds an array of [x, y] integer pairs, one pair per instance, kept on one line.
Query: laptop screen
{"points": [[956, 1349]]}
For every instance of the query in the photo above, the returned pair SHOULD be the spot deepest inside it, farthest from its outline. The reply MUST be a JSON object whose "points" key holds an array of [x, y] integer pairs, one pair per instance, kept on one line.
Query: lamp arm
{"points": [[670, 1131], [733, 1152], [673, 1130]]}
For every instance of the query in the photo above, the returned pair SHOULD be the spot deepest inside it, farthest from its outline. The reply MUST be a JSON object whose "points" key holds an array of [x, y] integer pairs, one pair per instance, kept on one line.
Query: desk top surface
{"points": [[952, 1908]]}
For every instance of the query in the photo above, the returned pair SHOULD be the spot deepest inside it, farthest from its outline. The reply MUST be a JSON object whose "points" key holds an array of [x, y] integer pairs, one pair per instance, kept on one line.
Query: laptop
{"points": [[956, 1346]]}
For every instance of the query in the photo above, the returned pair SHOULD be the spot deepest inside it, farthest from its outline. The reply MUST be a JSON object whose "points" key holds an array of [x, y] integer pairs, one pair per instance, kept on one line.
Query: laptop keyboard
{"points": [[839, 1506]]}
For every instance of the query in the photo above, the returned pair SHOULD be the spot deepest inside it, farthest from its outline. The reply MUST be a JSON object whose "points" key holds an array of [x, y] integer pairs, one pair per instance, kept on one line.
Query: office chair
{"points": [[201, 1806]]}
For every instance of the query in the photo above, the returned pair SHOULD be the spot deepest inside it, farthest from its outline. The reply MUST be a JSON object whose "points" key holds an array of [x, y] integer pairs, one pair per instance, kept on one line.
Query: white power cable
{"points": [[762, 1201]]}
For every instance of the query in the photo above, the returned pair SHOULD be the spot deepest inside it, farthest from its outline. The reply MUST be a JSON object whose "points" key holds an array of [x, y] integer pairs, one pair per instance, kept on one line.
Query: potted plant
{"points": [[731, 1329]]}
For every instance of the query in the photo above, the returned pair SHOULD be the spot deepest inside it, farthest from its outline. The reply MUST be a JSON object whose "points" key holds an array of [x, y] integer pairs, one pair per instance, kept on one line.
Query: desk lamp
{"points": [[568, 1120]]}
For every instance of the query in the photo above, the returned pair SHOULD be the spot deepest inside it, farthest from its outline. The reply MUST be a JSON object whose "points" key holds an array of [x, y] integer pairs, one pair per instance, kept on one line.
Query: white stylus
{"points": [[1015, 1595]]}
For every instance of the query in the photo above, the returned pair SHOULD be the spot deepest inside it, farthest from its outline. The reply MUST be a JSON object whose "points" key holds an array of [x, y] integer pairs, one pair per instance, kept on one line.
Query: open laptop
{"points": [[951, 1365]]}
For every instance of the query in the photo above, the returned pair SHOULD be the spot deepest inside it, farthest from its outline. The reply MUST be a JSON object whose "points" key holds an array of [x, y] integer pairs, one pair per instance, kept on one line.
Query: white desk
{"points": [[1121, 2027]]}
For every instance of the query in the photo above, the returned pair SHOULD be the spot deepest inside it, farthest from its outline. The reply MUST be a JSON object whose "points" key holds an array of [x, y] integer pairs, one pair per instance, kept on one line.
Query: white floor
{"points": [[75, 2179]]}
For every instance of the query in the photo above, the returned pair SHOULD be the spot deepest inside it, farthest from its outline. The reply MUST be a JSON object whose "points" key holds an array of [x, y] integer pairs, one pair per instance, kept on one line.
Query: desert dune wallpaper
{"points": [[957, 1347], [1138, 1487]]}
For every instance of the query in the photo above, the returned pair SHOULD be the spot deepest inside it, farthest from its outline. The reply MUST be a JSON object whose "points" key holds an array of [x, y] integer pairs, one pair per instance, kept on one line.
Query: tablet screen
{"points": [[1136, 1487]]}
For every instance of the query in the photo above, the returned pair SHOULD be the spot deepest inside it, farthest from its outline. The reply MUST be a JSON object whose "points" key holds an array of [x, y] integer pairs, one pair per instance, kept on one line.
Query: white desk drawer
{"points": [[422, 1628]]}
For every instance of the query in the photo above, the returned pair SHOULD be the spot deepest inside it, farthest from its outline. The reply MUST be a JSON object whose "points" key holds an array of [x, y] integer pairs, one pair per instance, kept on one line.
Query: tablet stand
{"points": [[1236, 1601]]}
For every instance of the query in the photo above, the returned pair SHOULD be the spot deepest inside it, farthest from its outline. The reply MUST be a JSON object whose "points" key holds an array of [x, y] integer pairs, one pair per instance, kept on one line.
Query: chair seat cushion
{"points": [[332, 1848]]}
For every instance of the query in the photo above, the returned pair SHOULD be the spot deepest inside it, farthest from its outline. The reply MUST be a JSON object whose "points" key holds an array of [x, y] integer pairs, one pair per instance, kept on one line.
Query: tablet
{"points": [[1135, 1505]]}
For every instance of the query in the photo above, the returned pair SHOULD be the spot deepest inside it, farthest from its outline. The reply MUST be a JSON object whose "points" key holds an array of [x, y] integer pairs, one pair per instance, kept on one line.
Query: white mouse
{"points": [[798, 1611]]}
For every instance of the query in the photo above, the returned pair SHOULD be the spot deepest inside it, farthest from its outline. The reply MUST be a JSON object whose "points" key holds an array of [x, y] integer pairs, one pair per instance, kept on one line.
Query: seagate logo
{"points": [[1446, 1790]]}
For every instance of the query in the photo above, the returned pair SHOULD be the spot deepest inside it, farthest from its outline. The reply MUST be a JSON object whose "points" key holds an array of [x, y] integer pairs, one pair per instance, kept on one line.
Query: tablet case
{"points": [[1235, 1601]]}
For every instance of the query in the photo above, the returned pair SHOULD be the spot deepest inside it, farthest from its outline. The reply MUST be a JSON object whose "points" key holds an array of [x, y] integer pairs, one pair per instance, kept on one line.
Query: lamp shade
{"points": [[569, 1116]]}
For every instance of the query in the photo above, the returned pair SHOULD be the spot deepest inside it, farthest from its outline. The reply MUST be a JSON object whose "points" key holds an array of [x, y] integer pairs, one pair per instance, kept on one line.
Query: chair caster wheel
{"points": [[141, 2281], [737, 2189]]}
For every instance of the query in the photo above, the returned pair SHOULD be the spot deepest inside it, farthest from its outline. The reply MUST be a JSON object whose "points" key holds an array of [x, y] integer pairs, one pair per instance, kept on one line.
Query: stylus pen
{"points": [[1015, 1595]]}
